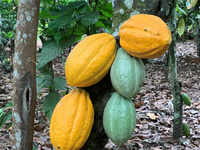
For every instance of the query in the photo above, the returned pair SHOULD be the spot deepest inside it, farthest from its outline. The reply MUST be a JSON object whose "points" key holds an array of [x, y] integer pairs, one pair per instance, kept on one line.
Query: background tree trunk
{"points": [[197, 38], [175, 84], [24, 73], [1, 47]]}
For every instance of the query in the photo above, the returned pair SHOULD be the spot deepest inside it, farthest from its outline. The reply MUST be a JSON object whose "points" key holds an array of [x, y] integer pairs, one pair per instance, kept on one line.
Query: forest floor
{"points": [[154, 110]]}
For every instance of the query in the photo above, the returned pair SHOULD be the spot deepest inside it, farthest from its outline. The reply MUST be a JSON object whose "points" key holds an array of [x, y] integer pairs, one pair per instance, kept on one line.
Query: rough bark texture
{"points": [[24, 73], [99, 95], [198, 38], [175, 84]]}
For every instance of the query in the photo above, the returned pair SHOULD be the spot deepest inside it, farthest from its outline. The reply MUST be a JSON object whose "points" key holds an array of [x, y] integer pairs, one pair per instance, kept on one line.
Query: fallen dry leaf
{"points": [[152, 116]]}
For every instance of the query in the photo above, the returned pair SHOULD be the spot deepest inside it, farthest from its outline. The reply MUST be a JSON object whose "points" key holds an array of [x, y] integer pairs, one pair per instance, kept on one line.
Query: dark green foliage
{"points": [[7, 20], [58, 83], [7, 30], [44, 80], [50, 102], [187, 16], [49, 52], [6, 115], [66, 23]]}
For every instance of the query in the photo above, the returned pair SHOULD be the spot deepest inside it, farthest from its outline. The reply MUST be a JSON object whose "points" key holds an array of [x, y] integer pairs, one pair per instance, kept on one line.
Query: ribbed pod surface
{"points": [[127, 74], [145, 36], [90, 60], [72, 121], [119, 118]]}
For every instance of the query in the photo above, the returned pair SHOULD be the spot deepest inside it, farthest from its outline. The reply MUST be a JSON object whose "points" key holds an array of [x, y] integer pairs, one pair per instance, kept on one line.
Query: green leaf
{"points": [[10, 34], [4, 117], [198, 16], [59, 83], [1, 112], [107, 7], [6, 113], [100, 24], [180, 10], [61, 21], [67, 42], [77, 4], [9, 104], [84, 10], [49, 52], [50, 102], [190, 27], [45, 13], [58, 37], [35, 148], [181, 27], [43, 81], [191, 3], [89, 19], [107, 14]]}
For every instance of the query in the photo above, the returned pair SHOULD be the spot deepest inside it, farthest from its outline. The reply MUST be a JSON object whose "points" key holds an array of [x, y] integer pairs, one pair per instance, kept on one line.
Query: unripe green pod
{"points": [[119, 118], [186, 99], [127, 74]]}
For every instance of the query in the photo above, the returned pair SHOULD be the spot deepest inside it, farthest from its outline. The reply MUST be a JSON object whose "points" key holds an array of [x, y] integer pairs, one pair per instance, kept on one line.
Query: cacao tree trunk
{"points": [[175, 84], [24, 74], [99, 94]]}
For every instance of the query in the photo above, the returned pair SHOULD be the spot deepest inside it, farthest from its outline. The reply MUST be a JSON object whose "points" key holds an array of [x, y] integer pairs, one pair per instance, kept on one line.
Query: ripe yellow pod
{"points": [[145, 36], [90, 60], [72, 121]]}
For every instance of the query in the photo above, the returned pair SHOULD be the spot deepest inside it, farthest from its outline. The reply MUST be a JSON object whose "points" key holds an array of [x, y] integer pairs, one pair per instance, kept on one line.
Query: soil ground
{"points": [[154, 126]]}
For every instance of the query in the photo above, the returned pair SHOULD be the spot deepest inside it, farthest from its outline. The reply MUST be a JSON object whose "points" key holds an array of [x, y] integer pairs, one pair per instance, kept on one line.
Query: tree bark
{"points": [[24, 74], [175, 84], [99, 94], [198, 38]]}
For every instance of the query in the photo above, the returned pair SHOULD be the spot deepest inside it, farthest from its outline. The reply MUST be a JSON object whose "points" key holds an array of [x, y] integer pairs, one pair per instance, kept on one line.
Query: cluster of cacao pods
{"points": [[141, 36]]}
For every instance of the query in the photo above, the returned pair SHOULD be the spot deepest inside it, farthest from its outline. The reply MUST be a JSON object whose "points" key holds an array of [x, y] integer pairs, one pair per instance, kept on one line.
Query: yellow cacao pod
{"points": [[145, 36], [90, 60], [72, 121]]}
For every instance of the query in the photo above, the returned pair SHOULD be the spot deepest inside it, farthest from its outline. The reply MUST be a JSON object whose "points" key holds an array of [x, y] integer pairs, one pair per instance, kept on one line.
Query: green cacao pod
{"points": [[186, 129], [127, 74], [186, 99], [119, 118]]}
